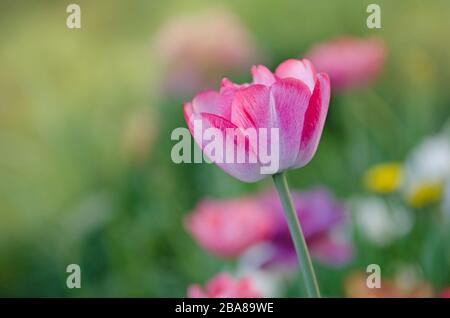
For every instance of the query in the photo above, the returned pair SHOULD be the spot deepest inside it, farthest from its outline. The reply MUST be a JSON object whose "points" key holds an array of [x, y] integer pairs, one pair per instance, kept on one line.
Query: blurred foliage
{"points": [[69, 192]]}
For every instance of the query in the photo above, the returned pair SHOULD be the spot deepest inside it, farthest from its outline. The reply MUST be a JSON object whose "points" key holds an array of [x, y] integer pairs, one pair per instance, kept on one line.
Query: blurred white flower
{"points": [[430, 160], [426, 171], [379, 222], [256, 256], [268, 280]]}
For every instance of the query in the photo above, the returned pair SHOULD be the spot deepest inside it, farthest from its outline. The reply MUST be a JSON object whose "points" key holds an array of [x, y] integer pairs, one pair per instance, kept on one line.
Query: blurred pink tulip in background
{"points": [[227, 228], [350, 62], [197, 48], [224, 286]]}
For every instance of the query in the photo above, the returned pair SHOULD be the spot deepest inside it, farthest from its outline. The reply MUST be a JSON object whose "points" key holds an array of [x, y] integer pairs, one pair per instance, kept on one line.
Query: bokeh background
{"points": [[86, 115]]}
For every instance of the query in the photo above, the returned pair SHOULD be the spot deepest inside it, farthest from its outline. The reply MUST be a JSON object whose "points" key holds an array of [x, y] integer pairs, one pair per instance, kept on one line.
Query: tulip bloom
{"points": [[227, 228], [350, 62], [224, 286], [293, 103], [294, 100], [196, 48]]}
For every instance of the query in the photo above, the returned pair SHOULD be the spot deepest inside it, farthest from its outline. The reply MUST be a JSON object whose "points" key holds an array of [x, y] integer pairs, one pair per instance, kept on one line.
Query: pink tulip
{"points": [[195, 48], [294, 100], [350, 62], [224, 286], [227, 228]]}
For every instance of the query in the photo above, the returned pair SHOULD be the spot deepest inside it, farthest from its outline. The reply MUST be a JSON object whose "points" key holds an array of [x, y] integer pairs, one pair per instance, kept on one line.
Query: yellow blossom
{"points": [[425, 194], [384, 178]]}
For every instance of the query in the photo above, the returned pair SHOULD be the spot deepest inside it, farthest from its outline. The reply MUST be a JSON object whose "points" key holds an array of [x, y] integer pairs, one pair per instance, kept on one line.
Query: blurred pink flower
{"points": [[323, 219], [226, 228], [224, 286], [294, 100], [350, 62], [445, 293], [199, 47]]}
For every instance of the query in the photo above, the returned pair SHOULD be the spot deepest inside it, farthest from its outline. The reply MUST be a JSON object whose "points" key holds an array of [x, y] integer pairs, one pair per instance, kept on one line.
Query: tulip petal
{"points": [[195, 291], [302, 70], [289, 101], [314, 120], [227, 85], [250, 107], [247, 171], [262, 75], [227, 92], [211, 102]]}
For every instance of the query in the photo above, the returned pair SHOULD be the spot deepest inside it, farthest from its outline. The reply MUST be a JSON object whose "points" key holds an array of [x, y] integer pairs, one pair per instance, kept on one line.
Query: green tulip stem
{"points": [[306, 267]]}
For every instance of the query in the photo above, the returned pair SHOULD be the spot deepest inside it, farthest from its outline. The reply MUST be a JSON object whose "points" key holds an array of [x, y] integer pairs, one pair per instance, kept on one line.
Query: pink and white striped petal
{"points": [[314, 120], [262, 75], [289, 100], [302, 70]]}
